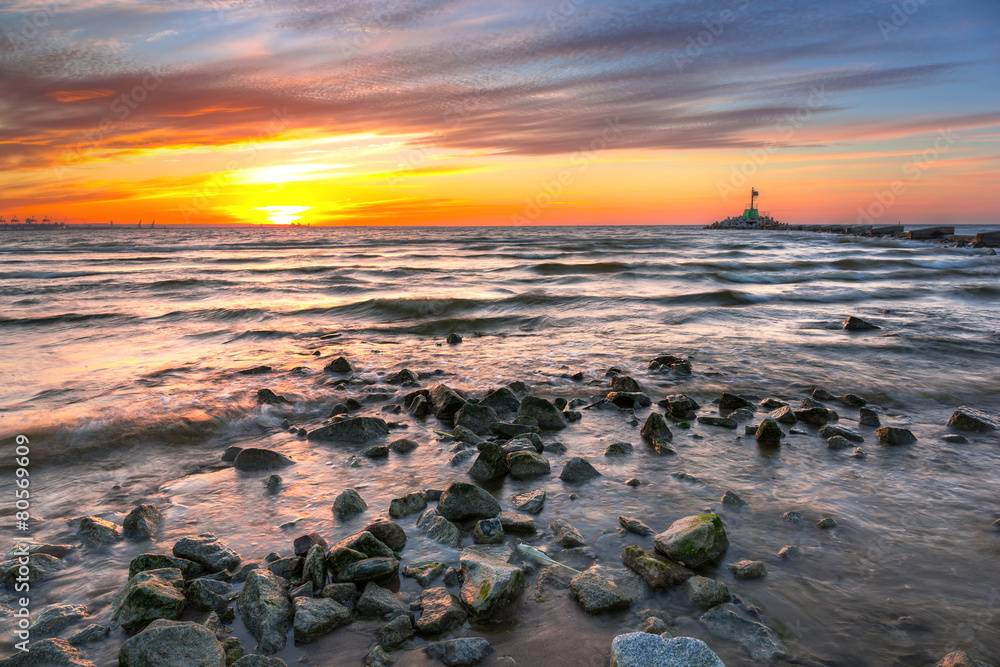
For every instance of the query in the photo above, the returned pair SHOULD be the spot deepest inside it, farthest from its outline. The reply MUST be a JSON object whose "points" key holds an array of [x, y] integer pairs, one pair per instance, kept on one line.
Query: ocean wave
{"points": [[47, 275], [560, 268], [62, 318], [214, 314], [263, 334]]}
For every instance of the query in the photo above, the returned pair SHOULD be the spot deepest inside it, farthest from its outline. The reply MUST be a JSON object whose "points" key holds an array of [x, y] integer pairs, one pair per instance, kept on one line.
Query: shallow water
{"points": [[120, 352]]}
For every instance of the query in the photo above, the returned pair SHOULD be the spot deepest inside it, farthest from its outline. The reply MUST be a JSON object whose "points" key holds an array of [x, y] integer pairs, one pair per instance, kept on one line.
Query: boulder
{"points": [[547, 415], [693, 540], [91, 633], [619, 449], [625, 383], [464, 651], [965, 418], [853, 323], [634, 526], [55, 618], [729, 402], [446, 401], [208, 595], [838, 442], [389, 533], [49, 653], [705, 592], [894, 437], [566, 534], [411, 503], [302, 544], [172, 643], [831, 430], [378, 570], [403, 445], [724, 422], [338, 365], [206, 550], [597, 594], [256, 660], [515, 522], [680, 407], [524, 464], [96, 532], [266, 610], [365, 543], [814, 416], [784, 415], [507, 430], [748, 569], [441, 610], [314, 568], [531, 502], [490, 581], [402, 377], [378, 602], [353, 429], [419, 408], [439, 529], [149, 596], [467, 501], [488, 531], [658, 572], [629, 400], [769, 433], [641, 649], [731, 622], [869, 416], [253, 459], [578, 470], [378, 658], [476, 418], [142, 522], [268, 397], [656, 429], [286, 568], [733, 499], [144, 562], [317, 616], [424, 571], [953, 659], [490, 464], [348, 504], [502, 400], [396, 631]]}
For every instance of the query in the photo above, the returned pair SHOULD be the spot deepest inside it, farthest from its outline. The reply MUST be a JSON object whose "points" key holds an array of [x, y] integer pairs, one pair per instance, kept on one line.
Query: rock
{"points": [[729, 402], [490, 582], [172, 643], [506, 430], [502, 400], [655, 429], [784, 415], [467, 501], [680, 407], [145, 562], [731, 622], [658, 572], [531, 502], [893, 436], [693, 540], [733, 499], [490, 464], [396, 631], [955, 439], [304, 543], [348, 504], [525, 464], [629, 400], [403, 446], [272, 483], [344, 593], [411, 503], [965, 418], [838, 442], [91, 633], [578, 470], [705, 592], [366, 543], [640, 649], [206, 550], [419, 408], [266, 610], [959, 659], [208, 595], [55, 618], [378, 658], [619, 449], [858, 453], [49, 653], [748, 569], [596, 594], [96, 532], [476, 418], [375, 452], [441, 610], [853, 400], [724, 422], [793, 517], [142, 522], [317, 616], [635, 526], [338, 365], [814, 416], [515, 522], [790, 552], [464, 651], [439, 529], [253, 459], [268, 397], [402, 377], [857, 324], [566, 534], [488, 531], [389, 533], [446, 401], [831, 430], [453, 339], [654, 626], [424, 571], [869, 417], [256, 370], [633, 482], [353, 429], [255, 660], [769, 433], [827, 523], [547, 415], [314, 568], [148, 596], [625, 383], [742, 415]]}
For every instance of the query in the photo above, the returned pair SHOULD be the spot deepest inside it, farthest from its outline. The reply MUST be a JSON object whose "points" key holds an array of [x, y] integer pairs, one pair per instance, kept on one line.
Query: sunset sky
{"points": [[467, 112]]}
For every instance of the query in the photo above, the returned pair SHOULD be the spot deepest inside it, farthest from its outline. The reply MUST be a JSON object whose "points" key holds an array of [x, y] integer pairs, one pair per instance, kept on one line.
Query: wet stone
{"points": [[733, 499], [635, 526], [748, 569], [530, 502], [348, 504]]}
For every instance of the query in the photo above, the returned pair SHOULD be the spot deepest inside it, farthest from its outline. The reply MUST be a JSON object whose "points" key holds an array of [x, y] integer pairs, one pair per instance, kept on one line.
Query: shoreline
{"points": [[931, 233]]}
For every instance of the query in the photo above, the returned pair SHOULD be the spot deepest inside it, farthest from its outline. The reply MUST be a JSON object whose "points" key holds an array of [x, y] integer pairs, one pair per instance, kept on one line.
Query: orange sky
{"points": [[434, 118]]}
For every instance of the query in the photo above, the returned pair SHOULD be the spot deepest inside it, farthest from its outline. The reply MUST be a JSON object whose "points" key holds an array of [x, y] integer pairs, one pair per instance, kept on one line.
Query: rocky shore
{"points": [[186, 604]]}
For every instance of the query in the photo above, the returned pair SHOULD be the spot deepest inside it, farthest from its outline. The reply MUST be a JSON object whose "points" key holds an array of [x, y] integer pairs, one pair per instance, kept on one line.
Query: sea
{"points": [[121, 354]]}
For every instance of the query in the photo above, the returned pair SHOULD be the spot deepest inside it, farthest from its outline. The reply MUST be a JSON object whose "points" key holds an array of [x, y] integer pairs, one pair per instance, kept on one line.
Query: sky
{"points": [[460, 112]]}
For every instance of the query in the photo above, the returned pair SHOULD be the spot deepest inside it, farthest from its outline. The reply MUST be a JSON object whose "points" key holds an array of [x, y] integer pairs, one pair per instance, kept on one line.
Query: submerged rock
{"points": [[531, 502], [705, 592], [970, 419], [142, 522], [619, 449], [693, 540], [476, 418], [446, 402], [578, 470], [894, 436], [658, 572], [656, 429], [869, 416], [748, 569], [724, 422], [253, 459], [411, 503], [545, 413], [853, 323], [524, 464], [354, 430], [467, 501], [597, 594], [348, 504], [733, 499], [490, 464], [635, 526], [731, 622], [148, 596], [95, 532], [641, 649], [566, 534], [55, 618], [464, 651], [172, 643], [266, 610]]}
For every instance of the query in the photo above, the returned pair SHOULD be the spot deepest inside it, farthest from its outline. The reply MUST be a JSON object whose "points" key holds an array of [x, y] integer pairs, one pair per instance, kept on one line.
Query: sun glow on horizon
{"points": [[282, 215]]}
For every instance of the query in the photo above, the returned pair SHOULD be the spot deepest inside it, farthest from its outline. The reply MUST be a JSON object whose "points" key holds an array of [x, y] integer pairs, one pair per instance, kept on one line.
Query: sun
{"points": [[282, 215]]}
